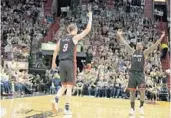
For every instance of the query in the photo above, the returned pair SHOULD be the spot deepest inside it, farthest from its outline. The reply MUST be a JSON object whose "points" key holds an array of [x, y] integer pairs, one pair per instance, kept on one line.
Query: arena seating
{"points": [[108, 74]]}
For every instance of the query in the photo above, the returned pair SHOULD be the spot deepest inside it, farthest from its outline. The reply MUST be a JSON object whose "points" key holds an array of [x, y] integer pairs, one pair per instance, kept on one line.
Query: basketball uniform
{"points": [[137, 77], [67, 57]]}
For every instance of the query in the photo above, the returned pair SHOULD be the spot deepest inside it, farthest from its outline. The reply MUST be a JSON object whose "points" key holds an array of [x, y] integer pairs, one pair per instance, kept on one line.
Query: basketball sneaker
{"points": [[67, 112], [132, 112], [141, 111]]}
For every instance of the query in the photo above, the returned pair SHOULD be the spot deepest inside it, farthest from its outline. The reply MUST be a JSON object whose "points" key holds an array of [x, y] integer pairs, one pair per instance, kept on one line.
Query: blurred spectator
{"points": [[55, 83], [22, 25], [5, 83]]}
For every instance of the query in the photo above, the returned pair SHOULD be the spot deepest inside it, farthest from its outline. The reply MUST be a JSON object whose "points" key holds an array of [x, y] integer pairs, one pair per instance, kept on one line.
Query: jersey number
{"points": [[65, 47], [139, 59]]}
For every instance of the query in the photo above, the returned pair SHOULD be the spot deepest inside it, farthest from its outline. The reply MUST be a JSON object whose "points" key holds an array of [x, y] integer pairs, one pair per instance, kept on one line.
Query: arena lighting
{"points": [[65, 9]]}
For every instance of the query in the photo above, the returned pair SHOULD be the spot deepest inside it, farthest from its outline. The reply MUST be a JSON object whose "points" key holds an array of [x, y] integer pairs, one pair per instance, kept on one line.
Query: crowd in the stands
{"points": [[23, 26], [111, 61], [107, 72]]}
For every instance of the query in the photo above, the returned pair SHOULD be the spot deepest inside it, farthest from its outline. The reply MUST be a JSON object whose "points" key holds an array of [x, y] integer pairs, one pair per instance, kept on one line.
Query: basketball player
{"points": [[137, 76], [66, 50]]}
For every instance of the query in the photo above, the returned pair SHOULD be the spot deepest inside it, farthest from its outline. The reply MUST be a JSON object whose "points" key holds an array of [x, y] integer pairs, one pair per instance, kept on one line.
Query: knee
{"points": [[132, 95]]}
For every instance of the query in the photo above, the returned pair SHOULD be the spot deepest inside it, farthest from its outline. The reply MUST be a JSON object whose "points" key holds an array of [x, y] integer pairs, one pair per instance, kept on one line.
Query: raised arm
{"points": [[86, 31], [55, 53], [121, 39], [152, 47]]}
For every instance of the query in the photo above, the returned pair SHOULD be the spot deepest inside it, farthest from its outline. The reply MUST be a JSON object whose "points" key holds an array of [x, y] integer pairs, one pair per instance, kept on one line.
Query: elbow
{"points": [[88, 27]]}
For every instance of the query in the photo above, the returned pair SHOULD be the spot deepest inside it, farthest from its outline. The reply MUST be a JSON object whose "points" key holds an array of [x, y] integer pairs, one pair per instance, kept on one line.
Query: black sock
{"points": [[56, 99], [67, 106], [141, 103], [133, 105]]}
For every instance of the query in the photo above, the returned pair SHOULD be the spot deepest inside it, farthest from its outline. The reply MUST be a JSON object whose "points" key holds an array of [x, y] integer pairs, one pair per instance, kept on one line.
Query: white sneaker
{"points": [[67, 112], [132, 112], [141, 111]]}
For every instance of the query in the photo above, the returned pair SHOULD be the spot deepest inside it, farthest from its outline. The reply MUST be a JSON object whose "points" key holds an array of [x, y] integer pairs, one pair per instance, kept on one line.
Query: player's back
{"points": [[67, 48]]}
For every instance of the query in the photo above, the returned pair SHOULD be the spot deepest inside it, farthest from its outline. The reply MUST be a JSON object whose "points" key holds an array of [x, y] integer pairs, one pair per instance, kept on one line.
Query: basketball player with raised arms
{"points": [[66, 49], [137, 74]]}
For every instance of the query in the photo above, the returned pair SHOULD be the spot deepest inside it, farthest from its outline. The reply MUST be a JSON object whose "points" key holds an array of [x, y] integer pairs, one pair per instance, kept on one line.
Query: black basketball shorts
{"points": [[136, 79], [67, 71]]}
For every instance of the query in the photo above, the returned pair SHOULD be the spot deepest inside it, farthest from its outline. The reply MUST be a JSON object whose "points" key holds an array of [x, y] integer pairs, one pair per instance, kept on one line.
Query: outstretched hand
{"points": [[163, 34], [89, 14], [90, 10]]}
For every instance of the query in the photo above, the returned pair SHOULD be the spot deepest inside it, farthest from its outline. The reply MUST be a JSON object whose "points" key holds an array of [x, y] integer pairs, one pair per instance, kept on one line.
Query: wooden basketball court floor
{"points": [[82, 107]]}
